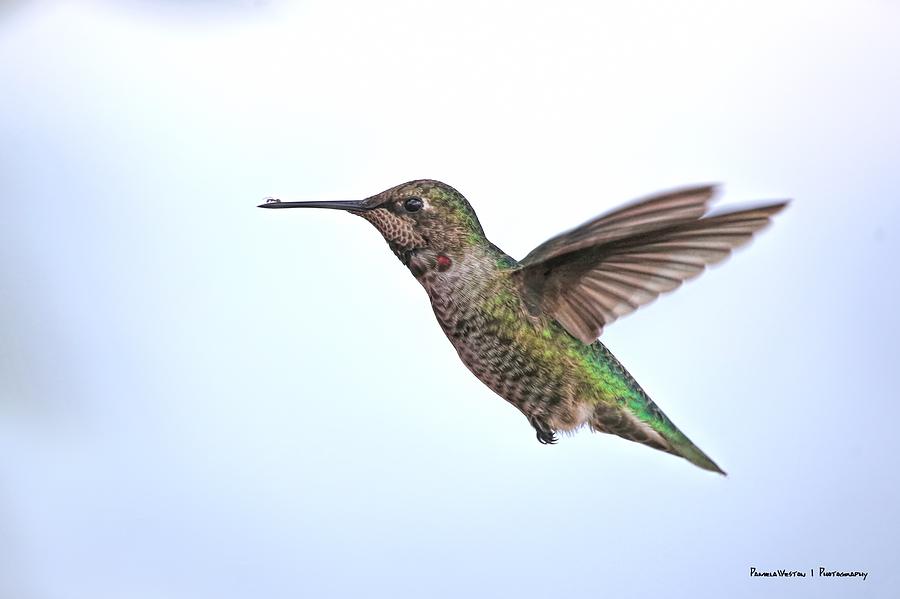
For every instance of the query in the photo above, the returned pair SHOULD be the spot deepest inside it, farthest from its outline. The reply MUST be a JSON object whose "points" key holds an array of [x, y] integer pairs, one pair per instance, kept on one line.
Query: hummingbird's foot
{"points": [[544, 434], [546, 438]]}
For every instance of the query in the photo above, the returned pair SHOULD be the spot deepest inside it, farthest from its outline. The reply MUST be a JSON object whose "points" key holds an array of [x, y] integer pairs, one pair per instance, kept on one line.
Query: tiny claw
{"points": [[270, 200], [546, 437]]}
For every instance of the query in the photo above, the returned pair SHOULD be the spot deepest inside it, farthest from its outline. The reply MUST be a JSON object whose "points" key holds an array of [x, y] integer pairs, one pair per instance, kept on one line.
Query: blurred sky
{"points": [[203, 399]]}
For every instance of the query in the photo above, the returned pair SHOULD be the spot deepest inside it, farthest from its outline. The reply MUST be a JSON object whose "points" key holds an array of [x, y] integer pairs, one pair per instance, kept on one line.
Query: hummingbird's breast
{"points": [[532, 361], [526, 361]]}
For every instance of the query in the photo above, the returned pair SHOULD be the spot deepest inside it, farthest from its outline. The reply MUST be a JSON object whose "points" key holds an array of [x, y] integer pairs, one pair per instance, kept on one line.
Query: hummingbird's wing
{"points": [[647, 214], [608, 267]]}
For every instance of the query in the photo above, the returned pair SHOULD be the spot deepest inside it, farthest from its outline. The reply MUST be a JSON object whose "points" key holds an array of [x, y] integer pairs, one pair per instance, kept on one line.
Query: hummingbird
{"points": [[529, 329]]}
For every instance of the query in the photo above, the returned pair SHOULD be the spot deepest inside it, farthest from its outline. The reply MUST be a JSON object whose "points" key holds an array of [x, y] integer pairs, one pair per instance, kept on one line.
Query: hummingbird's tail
{"points": [[639, 419], [630, 413], [685, 448]]}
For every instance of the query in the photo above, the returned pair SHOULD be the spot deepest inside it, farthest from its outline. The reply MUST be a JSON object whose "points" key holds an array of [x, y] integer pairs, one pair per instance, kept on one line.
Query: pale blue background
{"points": [[203, 399]]}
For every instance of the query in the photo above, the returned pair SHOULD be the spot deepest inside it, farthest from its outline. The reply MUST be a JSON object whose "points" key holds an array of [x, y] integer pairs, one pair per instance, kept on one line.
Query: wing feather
{"points": [[643, 215], [610, 266]]}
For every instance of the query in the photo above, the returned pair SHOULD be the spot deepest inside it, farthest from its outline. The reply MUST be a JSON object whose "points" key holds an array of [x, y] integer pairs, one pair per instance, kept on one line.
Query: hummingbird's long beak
{"points": [[346, 205]]}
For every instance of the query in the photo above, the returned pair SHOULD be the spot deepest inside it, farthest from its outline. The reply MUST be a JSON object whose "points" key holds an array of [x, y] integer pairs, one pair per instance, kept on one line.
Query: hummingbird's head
{"points": [[422, 219]]}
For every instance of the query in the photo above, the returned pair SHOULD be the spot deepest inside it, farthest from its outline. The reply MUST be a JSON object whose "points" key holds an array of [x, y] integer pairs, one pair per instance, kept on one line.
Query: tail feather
{"points": [[639, 419], [623, 408], [655, 431], [686, 449]]}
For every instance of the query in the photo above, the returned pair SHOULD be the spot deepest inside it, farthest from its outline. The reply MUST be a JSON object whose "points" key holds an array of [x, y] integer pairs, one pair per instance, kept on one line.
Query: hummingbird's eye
{"points": [[413, 204]]}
